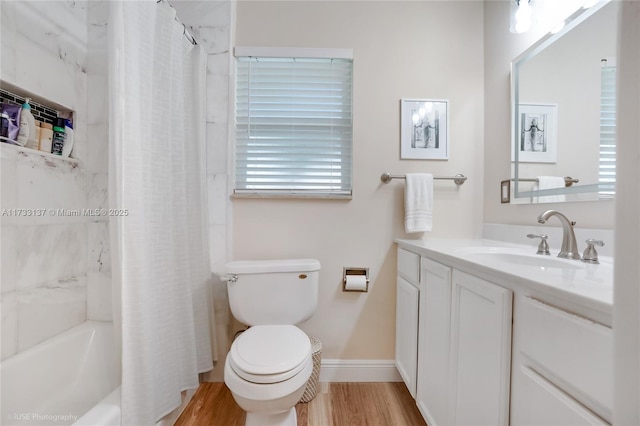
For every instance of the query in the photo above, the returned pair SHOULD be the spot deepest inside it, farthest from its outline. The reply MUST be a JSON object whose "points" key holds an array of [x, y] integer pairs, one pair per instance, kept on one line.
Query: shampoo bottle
{"points": [[58, 137], [68, 138], [27, 133]]}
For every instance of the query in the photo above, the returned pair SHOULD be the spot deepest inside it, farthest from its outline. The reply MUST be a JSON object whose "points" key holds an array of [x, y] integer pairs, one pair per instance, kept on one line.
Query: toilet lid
{"points": [[270, 353]]}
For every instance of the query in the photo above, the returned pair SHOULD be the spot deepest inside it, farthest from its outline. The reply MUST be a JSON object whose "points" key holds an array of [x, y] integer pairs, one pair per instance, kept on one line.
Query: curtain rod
{"points": [[186, 33]]}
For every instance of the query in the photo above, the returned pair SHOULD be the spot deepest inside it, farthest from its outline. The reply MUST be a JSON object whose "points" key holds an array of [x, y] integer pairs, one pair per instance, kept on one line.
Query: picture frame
{"points": [[424, 129], [537, 132]]}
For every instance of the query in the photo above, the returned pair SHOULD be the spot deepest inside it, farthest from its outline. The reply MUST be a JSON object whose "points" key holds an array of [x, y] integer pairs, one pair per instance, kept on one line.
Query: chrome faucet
{"points": [[569, 249]]}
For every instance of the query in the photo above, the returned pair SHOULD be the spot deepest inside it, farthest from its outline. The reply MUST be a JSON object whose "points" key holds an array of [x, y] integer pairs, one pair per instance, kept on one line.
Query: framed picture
{"points": [[424, 129], [537, 133]]}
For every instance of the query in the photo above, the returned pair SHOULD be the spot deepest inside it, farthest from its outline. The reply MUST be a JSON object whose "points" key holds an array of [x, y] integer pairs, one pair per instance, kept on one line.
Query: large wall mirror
{"points": [[563, 104]]}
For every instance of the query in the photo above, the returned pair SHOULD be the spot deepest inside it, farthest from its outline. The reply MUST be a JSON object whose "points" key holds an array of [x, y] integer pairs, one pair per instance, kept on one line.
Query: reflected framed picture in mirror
{"points": [[537, 130], [424, 129]]}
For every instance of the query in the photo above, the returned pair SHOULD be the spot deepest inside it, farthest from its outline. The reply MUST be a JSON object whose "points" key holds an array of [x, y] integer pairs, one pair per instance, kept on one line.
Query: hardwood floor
{"points": [[336, 404]]}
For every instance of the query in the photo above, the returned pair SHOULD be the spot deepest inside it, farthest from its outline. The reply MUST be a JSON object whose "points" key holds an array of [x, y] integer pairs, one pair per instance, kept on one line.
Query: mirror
{"points": [[563, 111]]}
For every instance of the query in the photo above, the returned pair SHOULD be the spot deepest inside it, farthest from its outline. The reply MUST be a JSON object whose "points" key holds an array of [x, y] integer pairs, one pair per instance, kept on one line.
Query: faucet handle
{"points": [[590, 254], [543, 247]]}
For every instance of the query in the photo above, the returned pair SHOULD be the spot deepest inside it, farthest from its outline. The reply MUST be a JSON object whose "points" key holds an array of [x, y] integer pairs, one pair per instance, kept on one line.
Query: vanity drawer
{"points": [[409, 265], [572, 352], [542, 403]]}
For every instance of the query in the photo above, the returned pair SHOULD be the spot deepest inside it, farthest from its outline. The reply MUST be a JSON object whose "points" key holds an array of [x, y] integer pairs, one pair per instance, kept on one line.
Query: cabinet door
{"points": [[433, 342], [407, 299], [481, 349]]}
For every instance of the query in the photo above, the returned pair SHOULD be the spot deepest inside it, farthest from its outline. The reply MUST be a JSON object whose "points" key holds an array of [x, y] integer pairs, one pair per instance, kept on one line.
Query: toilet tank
{"points": [[269, 292]]}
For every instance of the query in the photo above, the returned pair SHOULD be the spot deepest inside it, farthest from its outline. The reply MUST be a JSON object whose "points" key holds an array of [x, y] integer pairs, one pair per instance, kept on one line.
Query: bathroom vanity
{"points": [[491, 333]]}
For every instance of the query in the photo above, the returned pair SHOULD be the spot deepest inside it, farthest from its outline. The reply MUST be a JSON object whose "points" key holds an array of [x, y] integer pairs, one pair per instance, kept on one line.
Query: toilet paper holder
{"points": [[352, 271]]}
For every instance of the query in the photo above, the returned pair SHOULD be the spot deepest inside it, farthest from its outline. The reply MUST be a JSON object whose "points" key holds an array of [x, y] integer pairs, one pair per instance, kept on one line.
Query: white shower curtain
{"points": [[158, 181]]}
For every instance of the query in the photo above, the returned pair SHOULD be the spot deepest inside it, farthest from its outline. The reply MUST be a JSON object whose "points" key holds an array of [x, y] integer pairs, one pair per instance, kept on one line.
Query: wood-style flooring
{"points": [[336, 404]]}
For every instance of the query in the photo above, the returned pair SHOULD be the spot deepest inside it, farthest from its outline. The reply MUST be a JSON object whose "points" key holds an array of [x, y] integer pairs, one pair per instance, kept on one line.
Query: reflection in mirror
{"points": [[563, 103]]}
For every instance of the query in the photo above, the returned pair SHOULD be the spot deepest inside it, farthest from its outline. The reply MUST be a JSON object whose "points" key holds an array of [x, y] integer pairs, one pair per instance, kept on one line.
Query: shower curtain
{"points": [[159, 225]]}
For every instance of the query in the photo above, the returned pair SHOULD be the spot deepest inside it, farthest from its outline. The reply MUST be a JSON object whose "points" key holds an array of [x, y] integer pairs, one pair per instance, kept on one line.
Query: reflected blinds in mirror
{"points": [[607, 164]]}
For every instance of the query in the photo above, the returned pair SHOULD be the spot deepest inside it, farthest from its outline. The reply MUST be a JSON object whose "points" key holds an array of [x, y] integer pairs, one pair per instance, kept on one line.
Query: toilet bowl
{"points": [[267, 370], [269, 365]]}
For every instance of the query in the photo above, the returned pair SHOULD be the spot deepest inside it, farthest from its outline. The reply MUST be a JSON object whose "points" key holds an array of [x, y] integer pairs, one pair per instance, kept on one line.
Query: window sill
{"points": [[283, 195]]}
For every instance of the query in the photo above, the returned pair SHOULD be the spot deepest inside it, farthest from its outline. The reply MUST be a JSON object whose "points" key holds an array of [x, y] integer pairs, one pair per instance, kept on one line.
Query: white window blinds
{"points": [[607, 165], [293, 126]]}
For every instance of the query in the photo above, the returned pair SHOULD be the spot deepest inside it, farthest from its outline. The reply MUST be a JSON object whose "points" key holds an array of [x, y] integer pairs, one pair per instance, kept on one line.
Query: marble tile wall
{"points": [[45, 240], [56, 269], [99, 256]]}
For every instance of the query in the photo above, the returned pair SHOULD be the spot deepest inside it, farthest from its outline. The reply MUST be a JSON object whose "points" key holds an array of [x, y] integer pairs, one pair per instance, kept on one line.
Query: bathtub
{"points": [[59, 380]]}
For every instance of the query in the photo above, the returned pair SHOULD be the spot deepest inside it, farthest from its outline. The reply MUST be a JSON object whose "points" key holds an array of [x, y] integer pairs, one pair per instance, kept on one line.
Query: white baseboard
{"points": [[359, 370]]}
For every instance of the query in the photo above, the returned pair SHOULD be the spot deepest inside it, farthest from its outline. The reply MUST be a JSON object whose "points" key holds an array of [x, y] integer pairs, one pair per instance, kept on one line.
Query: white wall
{"points": [[430, 50], [501, 47]]}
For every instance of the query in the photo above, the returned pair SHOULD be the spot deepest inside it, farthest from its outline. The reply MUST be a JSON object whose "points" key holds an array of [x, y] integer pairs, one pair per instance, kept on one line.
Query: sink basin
{"points": [[519, 257], [534, 260]]}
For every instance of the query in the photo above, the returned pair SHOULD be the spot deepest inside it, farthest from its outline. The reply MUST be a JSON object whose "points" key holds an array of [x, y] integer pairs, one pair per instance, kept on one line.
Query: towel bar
{"points": [[459, 179], [568, 180]]}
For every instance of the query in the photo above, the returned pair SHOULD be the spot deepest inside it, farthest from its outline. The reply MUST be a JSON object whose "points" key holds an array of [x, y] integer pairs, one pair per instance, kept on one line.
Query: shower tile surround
{"points": [[56, 271], [97, 164], [54, 267]]}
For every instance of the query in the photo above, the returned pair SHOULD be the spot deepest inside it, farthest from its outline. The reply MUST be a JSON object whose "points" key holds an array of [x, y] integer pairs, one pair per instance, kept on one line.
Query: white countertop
{"points": [[572, 281]]}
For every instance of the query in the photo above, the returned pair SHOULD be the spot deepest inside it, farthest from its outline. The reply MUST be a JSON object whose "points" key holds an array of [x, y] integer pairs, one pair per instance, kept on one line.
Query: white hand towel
{"points": [[549, 182], [418, 202]]}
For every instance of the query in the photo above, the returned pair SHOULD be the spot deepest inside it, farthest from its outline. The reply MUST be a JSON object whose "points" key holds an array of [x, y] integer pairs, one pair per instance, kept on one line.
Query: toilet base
{"points": [[285, 418]]}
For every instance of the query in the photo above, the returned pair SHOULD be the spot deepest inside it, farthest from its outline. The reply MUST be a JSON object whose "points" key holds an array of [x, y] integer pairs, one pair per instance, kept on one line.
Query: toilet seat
{"points": [[270, 353]]}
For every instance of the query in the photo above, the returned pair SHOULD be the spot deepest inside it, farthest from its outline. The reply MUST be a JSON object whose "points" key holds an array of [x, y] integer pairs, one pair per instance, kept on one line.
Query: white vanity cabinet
{"points": [[407, 314], [464, 348], [500, 342], [563, 367], [481, 351]]}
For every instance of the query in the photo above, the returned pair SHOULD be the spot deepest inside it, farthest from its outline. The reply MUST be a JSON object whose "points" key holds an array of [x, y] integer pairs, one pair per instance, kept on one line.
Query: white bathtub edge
{"points": [[106, 413]]}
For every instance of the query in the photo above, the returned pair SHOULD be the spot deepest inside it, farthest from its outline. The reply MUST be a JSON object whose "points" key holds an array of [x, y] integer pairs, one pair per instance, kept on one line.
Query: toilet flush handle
{"points": [[230, 278]]}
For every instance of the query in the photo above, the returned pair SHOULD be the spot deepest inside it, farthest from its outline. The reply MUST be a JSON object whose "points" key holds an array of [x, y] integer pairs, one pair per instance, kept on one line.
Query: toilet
{"points": [[268, 365]]}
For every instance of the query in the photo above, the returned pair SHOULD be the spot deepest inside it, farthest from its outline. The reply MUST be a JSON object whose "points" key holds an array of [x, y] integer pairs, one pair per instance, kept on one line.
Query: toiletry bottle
{"points": [[27, 131], [46, 137], [10, 127], [68, 138], [36, 142], [58, 137]]}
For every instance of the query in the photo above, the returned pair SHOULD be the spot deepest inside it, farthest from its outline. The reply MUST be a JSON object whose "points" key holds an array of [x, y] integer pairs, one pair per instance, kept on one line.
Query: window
{"points": [[293, 122], [607, 167]]}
